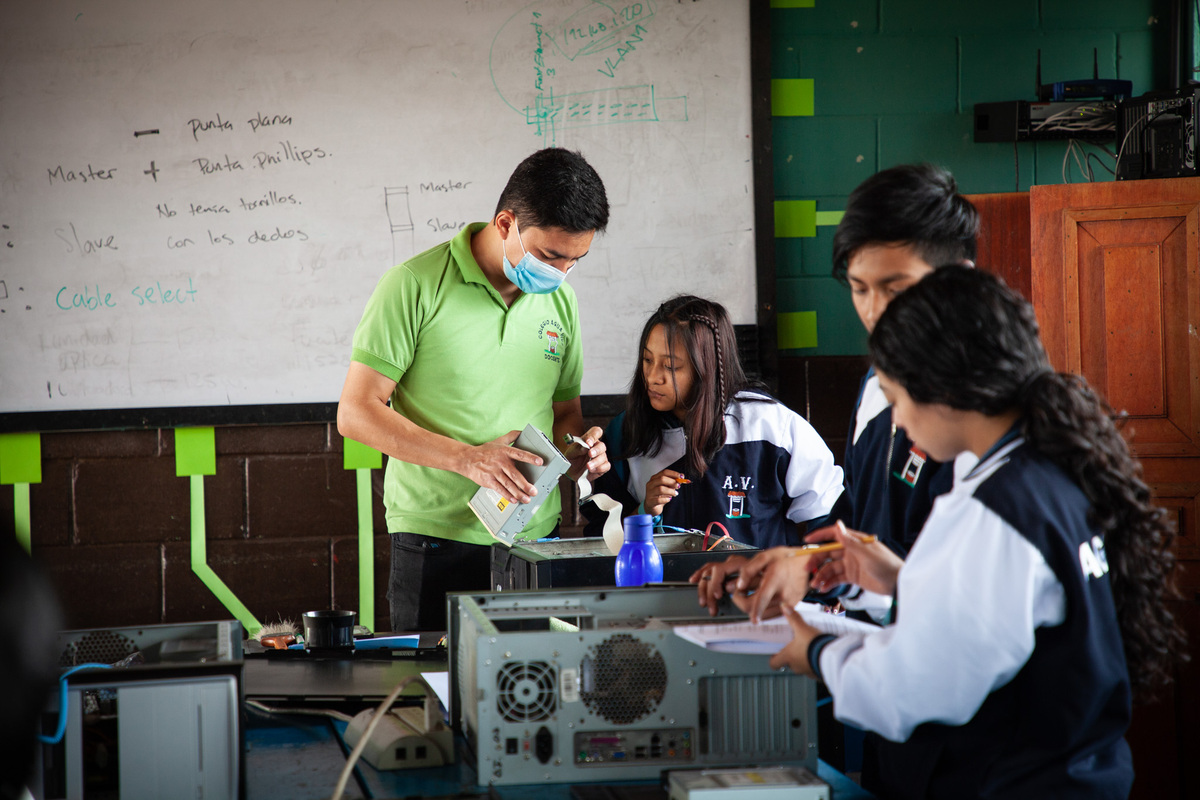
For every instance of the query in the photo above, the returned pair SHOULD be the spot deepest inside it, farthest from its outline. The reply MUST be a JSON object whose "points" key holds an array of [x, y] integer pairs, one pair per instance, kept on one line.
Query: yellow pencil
{"points": [[828, 547]]}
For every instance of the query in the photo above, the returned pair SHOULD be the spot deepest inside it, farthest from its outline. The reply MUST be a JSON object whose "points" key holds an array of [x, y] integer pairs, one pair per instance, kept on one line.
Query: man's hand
{"points": [[493, 464], [593, 458]]}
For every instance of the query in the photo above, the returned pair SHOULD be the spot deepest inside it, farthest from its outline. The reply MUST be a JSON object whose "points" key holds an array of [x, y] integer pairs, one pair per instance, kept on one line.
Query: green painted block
{"points": [[942, 139], [797, 329], [792, 97], [831, 218], [955, 16], [1137, 61], [1068, 55], [839, 331], [20, 458], [356, 455], [1126, 15], [817, 252], [997, 68], [1050, 165], [793, 3], [195, 451], [856, 75], [831, 16], [795, 218], [789, 259], [822, 155]]}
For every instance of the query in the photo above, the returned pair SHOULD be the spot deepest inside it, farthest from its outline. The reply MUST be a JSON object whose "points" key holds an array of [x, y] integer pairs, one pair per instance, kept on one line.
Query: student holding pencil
{"points": [[1034, 602], [698, 442]]}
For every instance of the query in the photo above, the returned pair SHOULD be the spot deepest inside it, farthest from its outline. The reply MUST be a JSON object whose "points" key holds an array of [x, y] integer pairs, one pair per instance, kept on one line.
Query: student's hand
{"points": [[794, 654], [774, 579], [493, 464], [661, 489], [871, 565], [711, 581], [594, 458]]}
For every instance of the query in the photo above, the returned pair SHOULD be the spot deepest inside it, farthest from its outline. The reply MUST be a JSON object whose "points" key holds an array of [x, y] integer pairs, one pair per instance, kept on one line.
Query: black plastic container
{"points": [[329, 630]]}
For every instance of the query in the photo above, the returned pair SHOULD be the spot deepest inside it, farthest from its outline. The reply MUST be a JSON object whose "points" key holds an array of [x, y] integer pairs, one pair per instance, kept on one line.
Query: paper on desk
{"points": [[771, 635], [440, 683]]}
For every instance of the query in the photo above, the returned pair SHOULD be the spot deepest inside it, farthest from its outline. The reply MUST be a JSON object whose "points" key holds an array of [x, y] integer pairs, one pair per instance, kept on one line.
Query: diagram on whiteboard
{"points": [[545, 53]]}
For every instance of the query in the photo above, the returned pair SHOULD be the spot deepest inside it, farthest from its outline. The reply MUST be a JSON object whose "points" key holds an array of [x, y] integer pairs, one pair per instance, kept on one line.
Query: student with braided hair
{"points": [[698, 442], [1034, 603]]}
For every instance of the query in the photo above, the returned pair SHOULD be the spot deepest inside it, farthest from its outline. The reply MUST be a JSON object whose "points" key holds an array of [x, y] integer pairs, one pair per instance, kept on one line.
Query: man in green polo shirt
{"points": [[469, 342]]}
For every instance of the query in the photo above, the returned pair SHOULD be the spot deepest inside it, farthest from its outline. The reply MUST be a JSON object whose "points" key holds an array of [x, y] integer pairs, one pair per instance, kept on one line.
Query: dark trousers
{"points": [[423, 569]]}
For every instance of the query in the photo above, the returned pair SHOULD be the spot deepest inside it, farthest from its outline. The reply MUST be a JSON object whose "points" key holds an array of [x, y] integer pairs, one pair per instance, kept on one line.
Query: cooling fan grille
{"points": [[623, 679], [97, 647], [525, 691]]}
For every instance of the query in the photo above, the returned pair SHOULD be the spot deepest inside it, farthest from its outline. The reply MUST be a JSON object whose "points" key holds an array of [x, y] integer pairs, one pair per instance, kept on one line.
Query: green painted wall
{"points": [[862, 85]]}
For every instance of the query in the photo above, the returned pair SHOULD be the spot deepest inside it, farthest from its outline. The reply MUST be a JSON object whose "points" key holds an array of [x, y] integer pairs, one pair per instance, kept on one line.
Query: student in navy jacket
{"points": [[898, 225], [1034, 601], [699, 443]]}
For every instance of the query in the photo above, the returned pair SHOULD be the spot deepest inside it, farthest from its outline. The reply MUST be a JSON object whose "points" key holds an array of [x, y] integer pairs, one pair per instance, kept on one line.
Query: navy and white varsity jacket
{"points": [[890, 483], [774, 471], [1004, 674]]}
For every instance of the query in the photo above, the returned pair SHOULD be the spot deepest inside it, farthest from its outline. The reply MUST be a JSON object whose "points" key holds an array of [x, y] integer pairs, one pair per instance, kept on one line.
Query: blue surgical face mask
{"points": [[530, 275]]}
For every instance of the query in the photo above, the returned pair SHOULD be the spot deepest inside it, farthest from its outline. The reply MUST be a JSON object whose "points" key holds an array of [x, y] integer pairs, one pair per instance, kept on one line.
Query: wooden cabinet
{"points": [[1116, 287]]}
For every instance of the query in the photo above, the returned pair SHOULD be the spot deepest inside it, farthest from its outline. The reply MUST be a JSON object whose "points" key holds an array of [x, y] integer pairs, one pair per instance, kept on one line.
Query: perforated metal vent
{"points": [[623, 679], [97, 647], [525, 691]]}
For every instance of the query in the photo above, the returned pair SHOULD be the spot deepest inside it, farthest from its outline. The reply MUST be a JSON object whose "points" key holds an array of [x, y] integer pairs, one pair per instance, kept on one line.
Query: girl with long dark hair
{"points": [[1033, 604], [698, 442]]}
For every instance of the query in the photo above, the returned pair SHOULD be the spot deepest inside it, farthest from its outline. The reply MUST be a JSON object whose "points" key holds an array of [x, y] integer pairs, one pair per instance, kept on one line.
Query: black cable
{"points": [[1099, 161], [1017, 165], [1146, 120]]}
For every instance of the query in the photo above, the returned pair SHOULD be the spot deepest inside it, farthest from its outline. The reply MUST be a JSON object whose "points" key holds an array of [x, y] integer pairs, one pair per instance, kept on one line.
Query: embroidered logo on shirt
{"points": [[552, 334], [737, 506], [912, 467], [737, 499]]}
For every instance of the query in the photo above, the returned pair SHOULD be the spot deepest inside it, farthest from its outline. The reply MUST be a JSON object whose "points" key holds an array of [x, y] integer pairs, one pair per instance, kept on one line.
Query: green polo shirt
{"points": [[469, 367]]}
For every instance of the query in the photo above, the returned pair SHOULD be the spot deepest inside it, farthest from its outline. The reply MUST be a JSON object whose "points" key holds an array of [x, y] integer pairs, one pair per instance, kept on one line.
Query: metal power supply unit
{"points": [[571, 563], [593, 685]]}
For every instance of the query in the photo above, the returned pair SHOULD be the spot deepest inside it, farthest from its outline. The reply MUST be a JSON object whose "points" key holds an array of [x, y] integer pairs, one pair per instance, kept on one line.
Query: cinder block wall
{"points": [[896, 81], [112, 523]]}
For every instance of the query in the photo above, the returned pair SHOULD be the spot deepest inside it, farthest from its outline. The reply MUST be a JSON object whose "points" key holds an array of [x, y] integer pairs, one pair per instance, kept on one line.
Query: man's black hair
{"points": [[913, 204], [556, 188]]}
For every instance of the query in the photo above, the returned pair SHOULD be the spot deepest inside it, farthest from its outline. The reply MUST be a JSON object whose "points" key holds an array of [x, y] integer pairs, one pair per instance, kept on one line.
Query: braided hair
{"points": [[703, 330], [961, 338]]}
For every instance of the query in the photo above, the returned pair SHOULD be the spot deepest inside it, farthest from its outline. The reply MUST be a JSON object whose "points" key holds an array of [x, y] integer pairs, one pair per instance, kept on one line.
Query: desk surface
{"points": [[301, 757], [298, 755]]}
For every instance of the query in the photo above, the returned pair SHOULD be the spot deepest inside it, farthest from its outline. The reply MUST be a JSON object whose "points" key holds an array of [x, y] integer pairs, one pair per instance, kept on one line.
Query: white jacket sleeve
{"points": [[970, 597], [813, 480]]}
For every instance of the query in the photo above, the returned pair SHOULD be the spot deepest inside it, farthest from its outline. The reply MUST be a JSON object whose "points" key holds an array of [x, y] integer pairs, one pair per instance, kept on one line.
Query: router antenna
{"points": [[1095, 64], [1038, 89]]}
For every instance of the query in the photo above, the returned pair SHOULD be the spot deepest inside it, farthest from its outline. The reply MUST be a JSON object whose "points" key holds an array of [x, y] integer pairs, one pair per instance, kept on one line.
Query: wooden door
{"points": [[1116, 287]]}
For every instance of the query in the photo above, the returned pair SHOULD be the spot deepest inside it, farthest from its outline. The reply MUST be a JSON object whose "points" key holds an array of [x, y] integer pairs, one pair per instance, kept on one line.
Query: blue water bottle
{"points": [[639, 561]]}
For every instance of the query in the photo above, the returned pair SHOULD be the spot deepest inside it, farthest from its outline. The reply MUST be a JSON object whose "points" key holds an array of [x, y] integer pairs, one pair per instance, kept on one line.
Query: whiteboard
{"points": [[198, 199]]}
